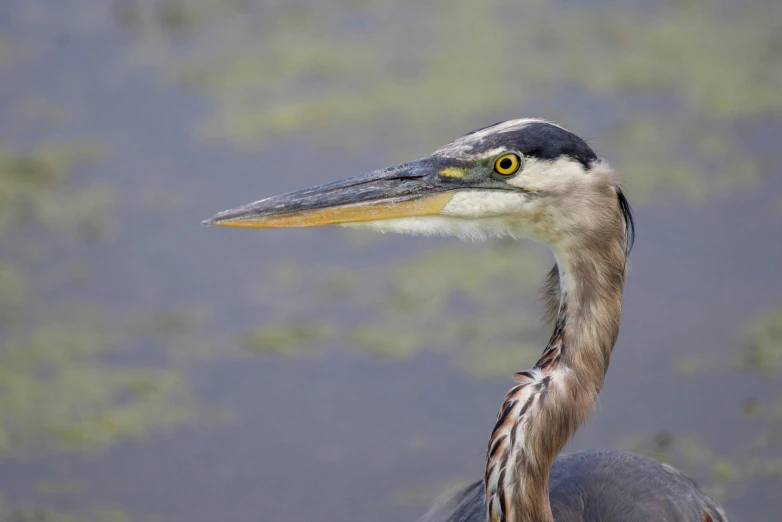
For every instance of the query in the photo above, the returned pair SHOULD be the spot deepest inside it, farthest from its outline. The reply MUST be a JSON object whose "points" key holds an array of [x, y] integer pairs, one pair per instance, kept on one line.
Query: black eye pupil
{"points": [[505, 163]]}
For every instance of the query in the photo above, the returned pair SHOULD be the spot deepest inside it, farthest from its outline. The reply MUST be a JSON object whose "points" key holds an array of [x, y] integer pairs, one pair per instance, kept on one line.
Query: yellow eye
{"points": [[507, 164]]}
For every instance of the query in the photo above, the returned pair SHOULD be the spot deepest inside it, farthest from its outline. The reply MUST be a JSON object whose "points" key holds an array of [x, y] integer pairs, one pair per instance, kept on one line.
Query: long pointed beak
{"points": [[418, 188]]}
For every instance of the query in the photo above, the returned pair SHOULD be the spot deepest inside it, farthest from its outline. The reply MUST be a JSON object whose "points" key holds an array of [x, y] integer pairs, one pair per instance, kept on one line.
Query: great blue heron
{"points": [[523, 178]]}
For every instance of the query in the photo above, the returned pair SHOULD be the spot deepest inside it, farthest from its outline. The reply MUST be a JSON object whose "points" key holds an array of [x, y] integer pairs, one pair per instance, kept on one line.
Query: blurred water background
{"points": [[155, 370]]}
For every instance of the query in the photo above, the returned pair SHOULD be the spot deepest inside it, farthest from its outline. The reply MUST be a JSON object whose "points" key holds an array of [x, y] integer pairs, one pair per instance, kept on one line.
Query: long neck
{"points": [[548, 403]]}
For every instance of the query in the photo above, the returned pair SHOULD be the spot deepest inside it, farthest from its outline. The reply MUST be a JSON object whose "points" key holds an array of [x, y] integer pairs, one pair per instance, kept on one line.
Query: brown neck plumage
{"points": [[583, 298]]}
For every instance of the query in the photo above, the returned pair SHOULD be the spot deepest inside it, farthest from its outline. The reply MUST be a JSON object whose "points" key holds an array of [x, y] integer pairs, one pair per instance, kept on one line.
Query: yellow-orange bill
{"points": [[371, 211]]}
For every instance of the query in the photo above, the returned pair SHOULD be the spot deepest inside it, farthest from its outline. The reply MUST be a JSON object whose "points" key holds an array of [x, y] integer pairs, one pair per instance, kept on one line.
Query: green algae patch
{"points": [[59, 389]]}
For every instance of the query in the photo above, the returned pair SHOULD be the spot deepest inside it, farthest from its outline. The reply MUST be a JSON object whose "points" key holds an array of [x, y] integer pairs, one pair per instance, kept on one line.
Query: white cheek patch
{"points": [[471, 215], [465, 229], [484, 203], [553, 176]]}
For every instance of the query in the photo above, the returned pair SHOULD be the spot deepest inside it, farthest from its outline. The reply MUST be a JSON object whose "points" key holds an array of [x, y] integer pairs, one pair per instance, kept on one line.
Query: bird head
{"points": [[520, 178]]}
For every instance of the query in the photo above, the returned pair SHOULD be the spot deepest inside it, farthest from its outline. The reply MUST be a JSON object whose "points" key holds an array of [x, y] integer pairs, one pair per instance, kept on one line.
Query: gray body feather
{"points": [[601, 486]]}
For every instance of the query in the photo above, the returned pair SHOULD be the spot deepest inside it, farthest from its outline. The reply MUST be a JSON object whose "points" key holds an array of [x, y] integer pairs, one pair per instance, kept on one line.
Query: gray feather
{"points": [[601, 486]]}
